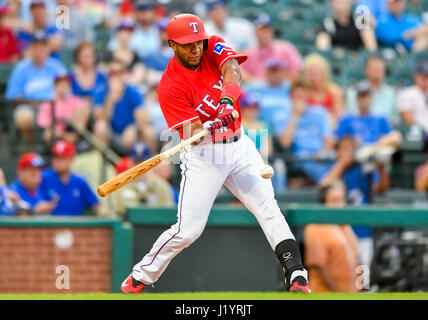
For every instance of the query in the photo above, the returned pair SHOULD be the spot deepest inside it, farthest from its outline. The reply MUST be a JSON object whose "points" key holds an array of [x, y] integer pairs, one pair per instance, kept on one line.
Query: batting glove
{"points": [[225, 111], [214, 126]]}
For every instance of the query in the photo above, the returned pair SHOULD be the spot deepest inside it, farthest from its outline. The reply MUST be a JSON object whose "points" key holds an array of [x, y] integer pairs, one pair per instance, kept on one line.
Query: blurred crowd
{"points": [[101, 101], [89, 111]]}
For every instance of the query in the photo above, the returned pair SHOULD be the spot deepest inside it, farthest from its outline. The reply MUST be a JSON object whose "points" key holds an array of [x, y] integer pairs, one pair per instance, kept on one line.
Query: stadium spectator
{"points": [[331, 250], [25, 10], [33, 77], [53, 116], [155, 117], [362, 181], [145, 37], [306, 133], [71, 192], [134, 67], [159, 60], [86, 80], [164, 171], [118, 11], [273, 94], [13, 16], [84, 164], [321, 91], [79, 30], [412, 102], [367, 129], [257, 130], [270, 48], [398, 28], [96, 12], [149, 189], [121, 108], [339, 29], [421, 173], [40, 23], [383, 95], [237, 32], [10, 200], [27, 185], [8, 42]]}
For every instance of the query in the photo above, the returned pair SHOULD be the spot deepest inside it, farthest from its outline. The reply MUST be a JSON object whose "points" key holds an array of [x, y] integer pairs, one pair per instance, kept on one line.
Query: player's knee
{"points": [[189, 237]]}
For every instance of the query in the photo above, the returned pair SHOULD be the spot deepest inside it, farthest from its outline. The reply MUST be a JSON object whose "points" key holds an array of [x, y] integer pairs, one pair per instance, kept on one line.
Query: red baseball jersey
{"points": [[188, 95]]}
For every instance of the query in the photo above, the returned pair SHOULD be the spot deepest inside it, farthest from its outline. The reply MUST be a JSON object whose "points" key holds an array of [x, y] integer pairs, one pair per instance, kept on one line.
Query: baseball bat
{"points": [[141, 168]]}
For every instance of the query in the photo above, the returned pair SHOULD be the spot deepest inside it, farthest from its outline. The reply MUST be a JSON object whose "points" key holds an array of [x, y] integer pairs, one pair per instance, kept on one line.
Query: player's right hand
{"points": [[214, 126]]}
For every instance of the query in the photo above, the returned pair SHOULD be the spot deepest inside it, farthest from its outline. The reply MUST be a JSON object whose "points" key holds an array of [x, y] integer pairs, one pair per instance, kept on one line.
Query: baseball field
{"points": [[222, 296]]}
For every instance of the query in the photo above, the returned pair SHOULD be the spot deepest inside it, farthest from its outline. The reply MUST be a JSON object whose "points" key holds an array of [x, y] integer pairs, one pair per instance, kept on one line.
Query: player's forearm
{"points": [[192, 128], [231, 72]]}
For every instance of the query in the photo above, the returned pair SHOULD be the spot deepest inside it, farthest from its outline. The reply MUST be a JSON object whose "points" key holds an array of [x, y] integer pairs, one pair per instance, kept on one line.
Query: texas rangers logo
{"points": [[194, 25], [220, 46]]}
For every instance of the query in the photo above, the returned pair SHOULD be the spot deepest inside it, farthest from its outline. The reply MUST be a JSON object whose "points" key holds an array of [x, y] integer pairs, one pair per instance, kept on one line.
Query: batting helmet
{"points": [[186, 28]]}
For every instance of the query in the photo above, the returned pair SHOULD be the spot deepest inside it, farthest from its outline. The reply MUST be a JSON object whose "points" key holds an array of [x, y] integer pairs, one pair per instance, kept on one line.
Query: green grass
{"points": [[221, 296]]}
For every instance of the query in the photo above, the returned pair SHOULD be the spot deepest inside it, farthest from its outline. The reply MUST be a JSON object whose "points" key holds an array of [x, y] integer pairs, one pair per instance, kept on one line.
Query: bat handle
{"points": [[235, 114]]}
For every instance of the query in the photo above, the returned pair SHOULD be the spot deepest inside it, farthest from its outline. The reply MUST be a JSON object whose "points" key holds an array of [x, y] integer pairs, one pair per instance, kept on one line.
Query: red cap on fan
{"points": [[186, 28], [30, 160], [62, 148], [123, 164]]}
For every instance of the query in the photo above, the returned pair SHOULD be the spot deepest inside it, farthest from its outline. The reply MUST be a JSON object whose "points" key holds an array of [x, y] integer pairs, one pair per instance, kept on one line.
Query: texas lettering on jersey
{"points": [[207, 108], [187, 95]]}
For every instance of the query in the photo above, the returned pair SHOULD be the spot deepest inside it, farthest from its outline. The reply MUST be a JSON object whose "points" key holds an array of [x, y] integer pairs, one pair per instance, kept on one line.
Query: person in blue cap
{"points": [[149, 189], [33, 78], [40, 22]]}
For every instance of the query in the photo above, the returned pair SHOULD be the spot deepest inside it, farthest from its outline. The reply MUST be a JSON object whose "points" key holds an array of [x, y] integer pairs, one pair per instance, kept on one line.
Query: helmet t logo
{"points": [[194, 25]]}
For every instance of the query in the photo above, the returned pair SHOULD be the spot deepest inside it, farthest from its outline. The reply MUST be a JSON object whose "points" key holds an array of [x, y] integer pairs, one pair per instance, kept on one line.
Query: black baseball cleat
{"points": [[300, 284]]}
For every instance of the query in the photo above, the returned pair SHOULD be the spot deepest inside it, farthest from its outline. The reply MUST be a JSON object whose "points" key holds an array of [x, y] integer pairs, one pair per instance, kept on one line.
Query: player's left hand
{"points": [[214, 126], [225, 111]]}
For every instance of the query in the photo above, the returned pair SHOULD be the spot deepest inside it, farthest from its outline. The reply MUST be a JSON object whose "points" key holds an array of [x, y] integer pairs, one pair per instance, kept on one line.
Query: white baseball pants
{"points": [[205, 168]]}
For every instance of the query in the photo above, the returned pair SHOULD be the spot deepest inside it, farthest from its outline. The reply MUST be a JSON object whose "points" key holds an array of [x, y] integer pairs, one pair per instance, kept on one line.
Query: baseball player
{"points": [[200, 89]]}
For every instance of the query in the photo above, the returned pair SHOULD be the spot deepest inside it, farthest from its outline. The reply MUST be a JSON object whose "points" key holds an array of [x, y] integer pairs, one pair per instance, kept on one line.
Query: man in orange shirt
{"points": [[331, 253]]}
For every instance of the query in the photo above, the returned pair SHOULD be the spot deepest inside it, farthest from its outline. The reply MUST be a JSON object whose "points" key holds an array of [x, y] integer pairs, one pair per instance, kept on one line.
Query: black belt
{"points": [[231, 139]]}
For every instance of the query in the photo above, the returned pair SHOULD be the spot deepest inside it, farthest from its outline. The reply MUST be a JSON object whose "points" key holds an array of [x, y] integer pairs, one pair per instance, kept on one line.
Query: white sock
{"points": [[303, 273]]}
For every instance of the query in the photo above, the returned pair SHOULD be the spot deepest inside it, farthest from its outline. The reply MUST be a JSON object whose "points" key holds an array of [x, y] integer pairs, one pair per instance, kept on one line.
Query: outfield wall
{"points": [[49, 254]]}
